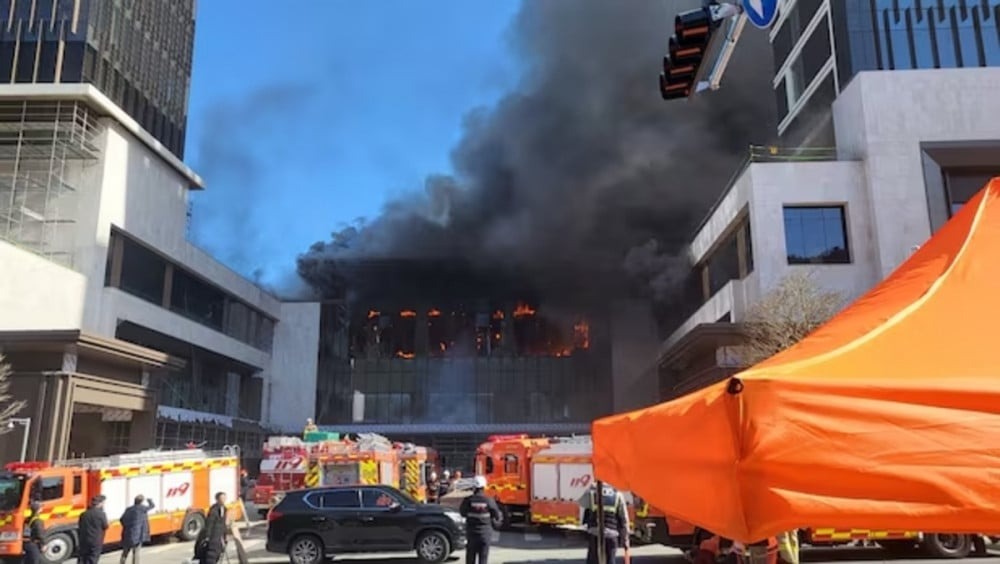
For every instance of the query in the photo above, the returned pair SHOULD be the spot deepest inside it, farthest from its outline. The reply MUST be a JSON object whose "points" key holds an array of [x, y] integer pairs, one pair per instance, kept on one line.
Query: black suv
{"points": [[310, 525]]}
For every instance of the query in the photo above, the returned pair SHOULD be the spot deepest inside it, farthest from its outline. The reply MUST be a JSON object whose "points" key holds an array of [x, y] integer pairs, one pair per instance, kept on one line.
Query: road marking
{"points": [[532, 535]]}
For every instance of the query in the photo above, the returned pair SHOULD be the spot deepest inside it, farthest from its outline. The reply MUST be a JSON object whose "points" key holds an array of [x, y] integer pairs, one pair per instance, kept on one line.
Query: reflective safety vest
{"points": [[611, 503], [609, 500]]}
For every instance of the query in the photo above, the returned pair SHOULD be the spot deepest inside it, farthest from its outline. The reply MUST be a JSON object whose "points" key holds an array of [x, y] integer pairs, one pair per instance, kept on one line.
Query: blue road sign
{"points": [[761, 13]]}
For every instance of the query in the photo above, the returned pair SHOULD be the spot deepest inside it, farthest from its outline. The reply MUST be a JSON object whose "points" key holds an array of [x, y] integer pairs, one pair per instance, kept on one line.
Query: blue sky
{"points": [[302, 119]]}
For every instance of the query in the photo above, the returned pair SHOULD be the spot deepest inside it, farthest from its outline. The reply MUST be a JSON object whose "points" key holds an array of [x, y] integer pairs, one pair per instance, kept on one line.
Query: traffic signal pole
{"points": [[737, 22], [698, 51]]}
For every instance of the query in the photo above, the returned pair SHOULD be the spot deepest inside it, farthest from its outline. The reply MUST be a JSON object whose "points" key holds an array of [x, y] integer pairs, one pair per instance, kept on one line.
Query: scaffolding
{"points": [[45, 149]]}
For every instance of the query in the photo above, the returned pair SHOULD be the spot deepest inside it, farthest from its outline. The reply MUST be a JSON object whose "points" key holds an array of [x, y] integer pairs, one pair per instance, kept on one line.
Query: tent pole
{"points": [[599, 542]]}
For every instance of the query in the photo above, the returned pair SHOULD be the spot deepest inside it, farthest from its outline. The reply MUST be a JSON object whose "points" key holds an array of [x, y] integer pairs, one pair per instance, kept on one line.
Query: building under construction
{"points": [[443, 358], [46, 151]]}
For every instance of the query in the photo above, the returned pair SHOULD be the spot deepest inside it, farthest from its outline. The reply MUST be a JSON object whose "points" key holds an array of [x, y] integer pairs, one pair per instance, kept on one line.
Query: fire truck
{"points": [[282, 468], [181, 484], [543, 481], [896, 541], [290, 463], [416, 464]]}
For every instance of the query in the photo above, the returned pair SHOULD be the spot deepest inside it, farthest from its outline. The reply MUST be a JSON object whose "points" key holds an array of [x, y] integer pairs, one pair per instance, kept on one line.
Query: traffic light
{"points": [[694, 44]]}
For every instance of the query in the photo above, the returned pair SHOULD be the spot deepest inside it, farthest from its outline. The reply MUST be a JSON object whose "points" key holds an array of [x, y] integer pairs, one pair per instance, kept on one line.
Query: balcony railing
{"points": [[769, 154]]}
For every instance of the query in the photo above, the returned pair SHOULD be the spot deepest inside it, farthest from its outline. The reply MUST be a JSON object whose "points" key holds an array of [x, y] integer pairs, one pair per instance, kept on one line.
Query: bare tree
{"points": [[787, 314], [8, 408]]}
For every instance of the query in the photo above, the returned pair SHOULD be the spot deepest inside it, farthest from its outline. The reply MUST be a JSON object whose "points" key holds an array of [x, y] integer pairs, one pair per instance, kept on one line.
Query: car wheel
{"points": [[57, 548], [433, 547], [948, 546], [306, 549], [191, 526]]}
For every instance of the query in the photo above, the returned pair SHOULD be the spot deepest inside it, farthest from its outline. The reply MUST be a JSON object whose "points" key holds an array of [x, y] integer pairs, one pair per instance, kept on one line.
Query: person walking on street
{"points": [[211, 543], [481, 514], [91, 529], [33, 534], [433, 488], [135, 528], [616, 525]]}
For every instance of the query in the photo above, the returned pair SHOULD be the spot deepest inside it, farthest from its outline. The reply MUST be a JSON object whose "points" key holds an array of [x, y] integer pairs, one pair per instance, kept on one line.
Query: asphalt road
{"points": [[527, 547]]}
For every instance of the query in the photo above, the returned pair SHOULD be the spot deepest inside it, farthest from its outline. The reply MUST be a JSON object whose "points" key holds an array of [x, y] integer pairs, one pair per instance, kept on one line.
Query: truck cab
{"points": [[63, 494]]}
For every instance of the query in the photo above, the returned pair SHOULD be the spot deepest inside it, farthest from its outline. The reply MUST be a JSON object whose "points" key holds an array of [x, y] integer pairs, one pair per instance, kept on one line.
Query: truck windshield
{"points": [[11, 488]]}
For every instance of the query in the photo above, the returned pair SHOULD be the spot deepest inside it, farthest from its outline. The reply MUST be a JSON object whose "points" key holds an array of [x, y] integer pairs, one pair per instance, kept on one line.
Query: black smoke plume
{"points": [[582, 170]]}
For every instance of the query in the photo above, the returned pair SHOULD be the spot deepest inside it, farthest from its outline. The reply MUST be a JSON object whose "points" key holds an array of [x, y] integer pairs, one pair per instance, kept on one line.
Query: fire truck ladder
{"points": [[144, 458]]}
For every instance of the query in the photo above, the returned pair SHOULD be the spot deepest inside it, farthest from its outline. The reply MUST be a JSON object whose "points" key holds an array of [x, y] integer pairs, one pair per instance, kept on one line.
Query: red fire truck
{"points": [[180, 483], [543, 481]]}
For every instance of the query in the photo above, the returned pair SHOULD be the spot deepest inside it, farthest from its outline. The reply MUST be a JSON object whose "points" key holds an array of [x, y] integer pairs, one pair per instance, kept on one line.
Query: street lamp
{"points": [[26, 423]]}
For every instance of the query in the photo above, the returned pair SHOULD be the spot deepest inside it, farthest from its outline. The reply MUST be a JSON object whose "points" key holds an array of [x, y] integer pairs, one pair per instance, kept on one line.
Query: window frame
{"points": [[316, 499], [507, 459], [54, 481], [842, 208]]}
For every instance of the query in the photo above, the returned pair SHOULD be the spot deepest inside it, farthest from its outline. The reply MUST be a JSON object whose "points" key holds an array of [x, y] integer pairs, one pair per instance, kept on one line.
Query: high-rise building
{"points": [[821, 45], [137, 53], [121, 334]]}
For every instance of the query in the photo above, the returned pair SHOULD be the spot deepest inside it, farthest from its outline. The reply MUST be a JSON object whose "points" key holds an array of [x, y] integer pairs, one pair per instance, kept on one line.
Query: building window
{"points": [[961, 185], [197, 300], [142, 272], [816, 235]]}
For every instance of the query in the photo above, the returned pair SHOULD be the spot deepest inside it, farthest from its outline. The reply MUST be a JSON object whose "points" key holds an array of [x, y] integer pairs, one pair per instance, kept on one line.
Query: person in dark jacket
{"points": [[616, 526], [34, 532], [91, 529], [135, 528], [481, 515], [211, 543]]}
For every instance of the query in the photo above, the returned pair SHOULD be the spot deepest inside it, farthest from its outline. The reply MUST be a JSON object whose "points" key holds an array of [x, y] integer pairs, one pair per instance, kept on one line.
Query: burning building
{"points": [[443, 357]]}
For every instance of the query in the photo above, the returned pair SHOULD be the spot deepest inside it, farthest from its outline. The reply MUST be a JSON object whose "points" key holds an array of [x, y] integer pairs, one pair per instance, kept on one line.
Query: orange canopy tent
{"points": [[886, 417]]}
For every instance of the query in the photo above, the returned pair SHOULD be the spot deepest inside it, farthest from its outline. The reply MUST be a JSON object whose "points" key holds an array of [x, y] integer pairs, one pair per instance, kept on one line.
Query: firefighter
{"points": [[616, 525], [445, 486], [310, 427], [433, 488], [481, 517], [33, 534]]}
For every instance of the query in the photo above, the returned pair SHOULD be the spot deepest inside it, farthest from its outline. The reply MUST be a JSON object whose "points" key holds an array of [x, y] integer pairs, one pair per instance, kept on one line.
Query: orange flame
{"points": [[407, 313], [434, 313], [523, 310], [406, 355], [581, 335], [498, 314], [372, 314]]}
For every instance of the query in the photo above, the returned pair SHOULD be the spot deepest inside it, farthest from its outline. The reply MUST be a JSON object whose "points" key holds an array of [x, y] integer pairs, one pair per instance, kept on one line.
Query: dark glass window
{"points": [[724, 264], [47, 61], [142, 272], [194, 298], [781, 96], [816, 51], [26, 62], [6, 61], [72, 67], [749, 245], [340, 499], [77, 485], [962, 184], [816, 235], [373, 498], [51, 488]]}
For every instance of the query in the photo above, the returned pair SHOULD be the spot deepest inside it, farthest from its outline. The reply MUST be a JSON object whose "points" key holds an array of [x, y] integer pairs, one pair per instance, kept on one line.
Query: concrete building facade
{"points": [[911, 147], [93, 222]]}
